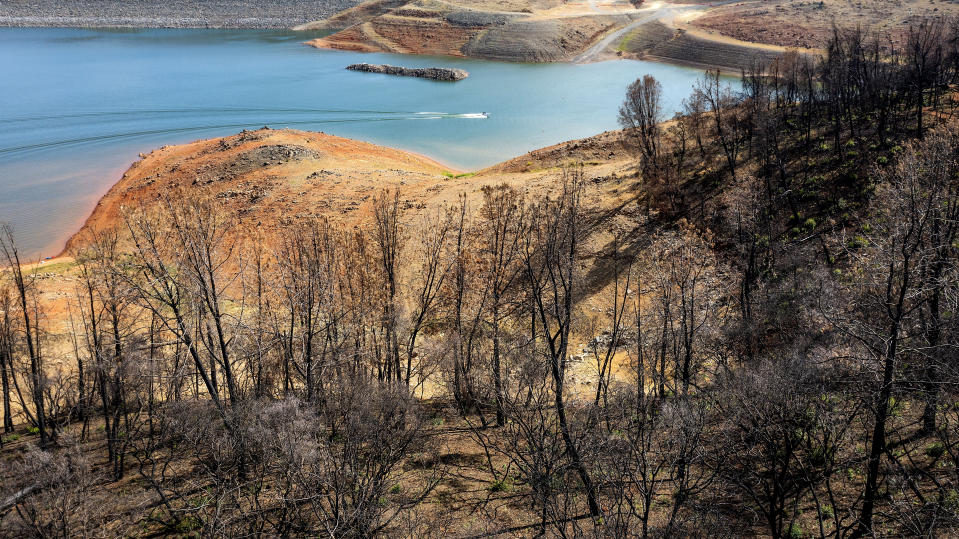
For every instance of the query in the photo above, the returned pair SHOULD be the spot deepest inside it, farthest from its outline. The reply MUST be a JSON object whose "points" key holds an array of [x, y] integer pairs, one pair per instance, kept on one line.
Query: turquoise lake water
{"points": [[77, 106]]}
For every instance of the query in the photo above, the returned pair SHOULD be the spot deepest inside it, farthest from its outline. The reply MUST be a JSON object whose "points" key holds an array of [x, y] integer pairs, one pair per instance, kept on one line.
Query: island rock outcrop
{"points": [[434, 73]]}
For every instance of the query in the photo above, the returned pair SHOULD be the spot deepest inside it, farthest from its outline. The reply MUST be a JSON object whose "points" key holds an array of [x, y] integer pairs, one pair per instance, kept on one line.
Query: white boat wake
{"points": [[442, 115]]}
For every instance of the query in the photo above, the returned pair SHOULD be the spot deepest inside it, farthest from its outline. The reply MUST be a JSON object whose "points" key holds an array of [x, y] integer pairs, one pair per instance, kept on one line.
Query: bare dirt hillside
{"points": [[664, 42], [269, 177], [539, 31], [808, 23]]}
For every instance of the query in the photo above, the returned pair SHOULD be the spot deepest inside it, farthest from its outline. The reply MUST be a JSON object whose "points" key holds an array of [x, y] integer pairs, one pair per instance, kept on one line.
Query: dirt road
{"points": [[656, 12], [670, 15]]}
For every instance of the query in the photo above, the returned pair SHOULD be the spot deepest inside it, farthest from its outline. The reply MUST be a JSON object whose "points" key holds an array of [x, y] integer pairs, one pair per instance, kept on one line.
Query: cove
{"points": [[77, 106]]}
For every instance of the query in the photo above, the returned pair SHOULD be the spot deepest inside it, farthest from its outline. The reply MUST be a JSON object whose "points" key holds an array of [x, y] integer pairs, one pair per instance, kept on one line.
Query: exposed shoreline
{"points": [[674, 51], [348, 146], [359, 165], [269, 176], [588, 35], [388, 26]]}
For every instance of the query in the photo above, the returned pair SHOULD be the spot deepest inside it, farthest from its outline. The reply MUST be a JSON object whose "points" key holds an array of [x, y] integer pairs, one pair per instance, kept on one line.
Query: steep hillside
{"points": [[740, 322]]}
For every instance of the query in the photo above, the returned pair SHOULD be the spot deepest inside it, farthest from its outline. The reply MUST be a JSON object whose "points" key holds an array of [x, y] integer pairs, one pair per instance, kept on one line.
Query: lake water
{"points": [[77, 106]]}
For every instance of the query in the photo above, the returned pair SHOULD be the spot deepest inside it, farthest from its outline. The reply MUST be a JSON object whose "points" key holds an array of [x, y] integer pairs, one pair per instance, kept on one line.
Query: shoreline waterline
{"points": [[83, 104]]}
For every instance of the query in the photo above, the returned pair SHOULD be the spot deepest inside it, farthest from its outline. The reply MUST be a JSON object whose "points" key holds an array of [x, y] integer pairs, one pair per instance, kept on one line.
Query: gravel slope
{"points": [[168, 13]]}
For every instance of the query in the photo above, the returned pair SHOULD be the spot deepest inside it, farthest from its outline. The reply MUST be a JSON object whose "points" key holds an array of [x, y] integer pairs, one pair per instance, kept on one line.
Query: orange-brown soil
{"points": [[268, 177], [546, 31], [543, 31]]}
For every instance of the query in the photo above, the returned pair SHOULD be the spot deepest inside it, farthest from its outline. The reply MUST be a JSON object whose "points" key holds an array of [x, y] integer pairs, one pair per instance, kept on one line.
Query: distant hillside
{"points": [[168, 13]]}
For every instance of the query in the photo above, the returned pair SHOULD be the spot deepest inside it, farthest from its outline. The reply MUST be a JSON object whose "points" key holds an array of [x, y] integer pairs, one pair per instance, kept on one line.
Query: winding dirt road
{"points": [[659, 11]]}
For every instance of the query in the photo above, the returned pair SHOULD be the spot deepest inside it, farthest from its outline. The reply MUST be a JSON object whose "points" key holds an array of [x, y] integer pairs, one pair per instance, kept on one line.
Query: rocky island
{"points": [[434, 73]]}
